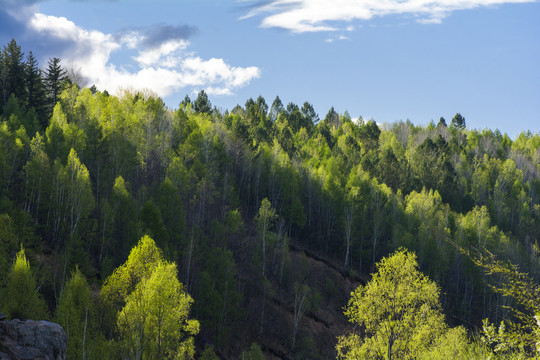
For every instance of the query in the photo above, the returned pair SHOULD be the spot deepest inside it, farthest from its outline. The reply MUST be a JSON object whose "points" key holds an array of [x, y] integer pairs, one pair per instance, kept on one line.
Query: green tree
{"points": [[150, 306], [458, 122], [154, 322], [13, 72], [521, 331], [35, 91], [398, 310], [202, 104], [75, 313], [275, 109], [265, 218], [80, 200], [22, 300], [54, 78]]}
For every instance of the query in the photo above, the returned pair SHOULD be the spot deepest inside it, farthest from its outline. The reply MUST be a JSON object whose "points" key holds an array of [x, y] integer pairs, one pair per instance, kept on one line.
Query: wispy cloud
{"points": [[162, 60], [154, 36], [328, 15]]}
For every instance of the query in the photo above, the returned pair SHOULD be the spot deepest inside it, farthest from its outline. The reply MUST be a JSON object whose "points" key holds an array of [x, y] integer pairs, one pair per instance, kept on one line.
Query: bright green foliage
{"points": [[141, 262], [398, 309], [153, 307], [22, 300], [153, 324], [453, 344]]}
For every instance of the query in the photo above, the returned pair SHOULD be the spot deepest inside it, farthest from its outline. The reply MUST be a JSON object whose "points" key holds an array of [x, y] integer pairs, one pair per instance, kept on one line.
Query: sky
{"points": [[387, 60]]}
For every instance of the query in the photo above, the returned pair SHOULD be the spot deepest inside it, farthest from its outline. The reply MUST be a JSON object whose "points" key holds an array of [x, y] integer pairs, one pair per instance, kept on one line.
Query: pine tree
{"points": [[54, 77], [35, 89], [13, 72]]}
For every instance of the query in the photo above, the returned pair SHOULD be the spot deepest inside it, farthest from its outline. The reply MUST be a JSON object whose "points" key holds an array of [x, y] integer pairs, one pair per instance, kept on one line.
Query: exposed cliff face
{"points": [[31, 340]]}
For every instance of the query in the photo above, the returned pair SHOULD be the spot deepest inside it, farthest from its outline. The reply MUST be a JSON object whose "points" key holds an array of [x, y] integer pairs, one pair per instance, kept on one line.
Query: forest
{"points": [[261, 232]]}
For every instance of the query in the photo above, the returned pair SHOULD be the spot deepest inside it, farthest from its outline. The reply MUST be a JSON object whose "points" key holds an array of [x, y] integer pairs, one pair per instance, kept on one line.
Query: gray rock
{"points": [[3, 316], [32, 340]]}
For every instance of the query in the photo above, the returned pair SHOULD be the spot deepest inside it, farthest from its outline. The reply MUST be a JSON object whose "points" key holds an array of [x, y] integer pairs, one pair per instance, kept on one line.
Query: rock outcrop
{"points": [[31, 340]]}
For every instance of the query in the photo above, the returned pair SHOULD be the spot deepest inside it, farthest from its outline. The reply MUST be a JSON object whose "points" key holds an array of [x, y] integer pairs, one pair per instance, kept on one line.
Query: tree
{"points": [[522, 330], [458, 122], [154, 322], [13, 72], [202, 104], [75, 313], [54, 77], [275, 109], [152, 306], [265, 218], [35, 90], [398, 311], [22, 300], [185, 102]]}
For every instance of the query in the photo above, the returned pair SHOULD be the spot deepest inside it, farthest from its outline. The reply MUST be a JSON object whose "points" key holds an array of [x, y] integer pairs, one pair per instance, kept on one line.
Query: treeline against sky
{"points": [[226, 194]]}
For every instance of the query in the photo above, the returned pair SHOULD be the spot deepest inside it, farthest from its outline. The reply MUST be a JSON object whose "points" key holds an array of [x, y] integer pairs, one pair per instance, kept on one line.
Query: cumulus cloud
{"points": [[162, 62], [326, 15]]}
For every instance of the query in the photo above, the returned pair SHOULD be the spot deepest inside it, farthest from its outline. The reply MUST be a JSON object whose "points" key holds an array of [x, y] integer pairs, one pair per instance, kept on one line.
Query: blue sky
{"points": [[387, 60]]}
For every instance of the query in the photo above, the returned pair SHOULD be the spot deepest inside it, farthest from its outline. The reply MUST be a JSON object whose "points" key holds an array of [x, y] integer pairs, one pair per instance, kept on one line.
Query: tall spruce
{"points": [[35, 89], [54, 77], [12, 72]]}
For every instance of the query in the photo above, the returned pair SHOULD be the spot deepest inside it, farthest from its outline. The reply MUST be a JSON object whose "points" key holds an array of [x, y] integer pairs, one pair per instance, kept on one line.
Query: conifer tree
{"points": [[35, 89], [54, 78], [12, 72]]}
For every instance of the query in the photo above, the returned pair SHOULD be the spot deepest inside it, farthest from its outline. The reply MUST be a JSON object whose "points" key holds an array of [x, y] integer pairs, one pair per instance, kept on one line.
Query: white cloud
{"points": [[323, 15], [164, 69]]}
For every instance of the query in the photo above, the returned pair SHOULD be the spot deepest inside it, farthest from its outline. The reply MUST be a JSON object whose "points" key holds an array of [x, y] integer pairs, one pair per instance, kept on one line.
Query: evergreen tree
{"points": [[35, 90], [54, 78], [14, 74], [202, 104], [458, 122]]}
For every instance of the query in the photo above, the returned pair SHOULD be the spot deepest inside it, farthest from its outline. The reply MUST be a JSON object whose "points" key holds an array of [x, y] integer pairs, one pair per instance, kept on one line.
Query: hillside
{"points": [[271, 214]]}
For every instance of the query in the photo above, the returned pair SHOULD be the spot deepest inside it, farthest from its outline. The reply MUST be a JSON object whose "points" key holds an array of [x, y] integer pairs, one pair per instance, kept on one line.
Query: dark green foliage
{"points": [[202, 104], [54, 82], [458, 122], [35, 92], [12, 72]]}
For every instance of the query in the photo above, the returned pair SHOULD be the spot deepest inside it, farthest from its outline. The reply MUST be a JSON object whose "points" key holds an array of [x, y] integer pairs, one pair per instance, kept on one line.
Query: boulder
{"points": [[32, 340]]}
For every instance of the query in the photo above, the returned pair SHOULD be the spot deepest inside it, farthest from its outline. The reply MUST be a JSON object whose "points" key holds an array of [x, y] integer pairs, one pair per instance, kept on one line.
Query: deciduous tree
{"points": [[398, 311]]}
